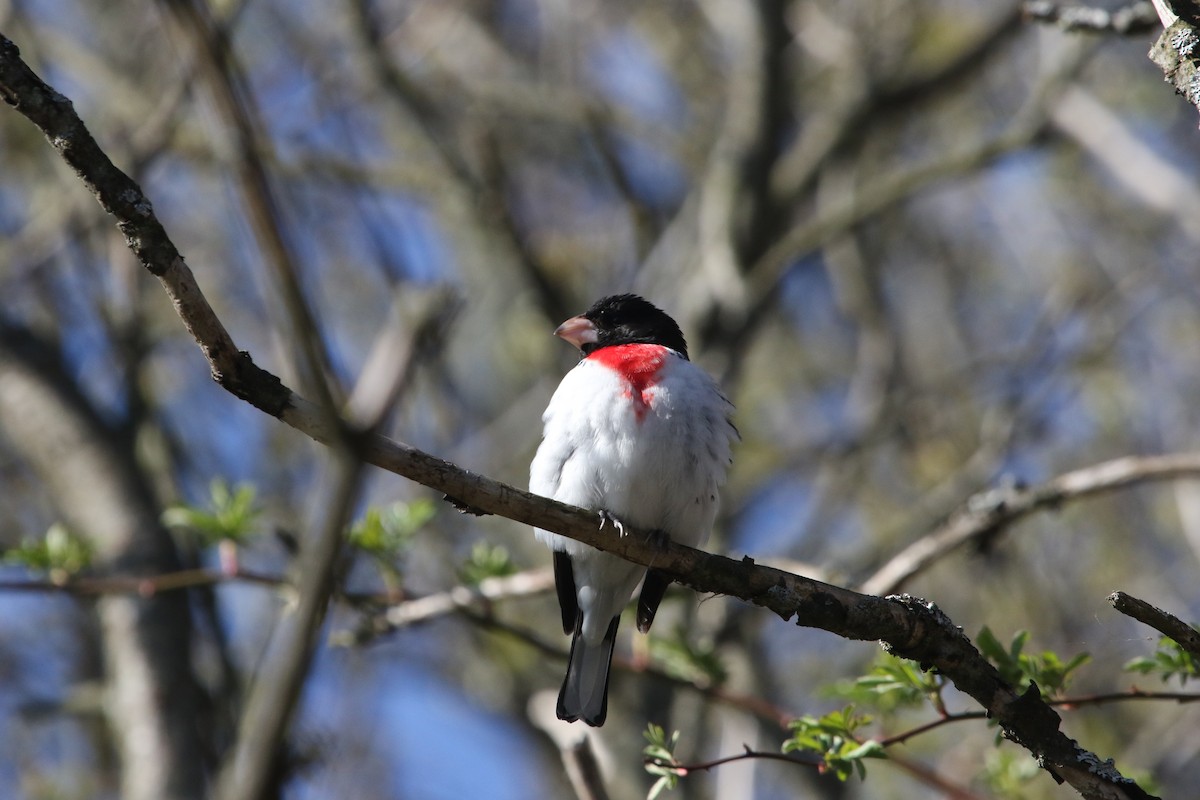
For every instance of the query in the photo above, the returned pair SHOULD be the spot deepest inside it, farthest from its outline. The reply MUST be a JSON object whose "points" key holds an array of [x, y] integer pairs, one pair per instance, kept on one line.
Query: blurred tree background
{"points": [[931, 249]]}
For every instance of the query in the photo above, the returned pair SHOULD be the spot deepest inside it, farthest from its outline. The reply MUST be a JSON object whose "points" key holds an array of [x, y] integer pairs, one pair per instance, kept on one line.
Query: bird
{"points": [[641, 435]]}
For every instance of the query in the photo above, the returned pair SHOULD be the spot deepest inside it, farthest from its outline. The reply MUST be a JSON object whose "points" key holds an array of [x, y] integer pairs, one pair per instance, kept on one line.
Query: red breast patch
{"points": [[638, 365]]}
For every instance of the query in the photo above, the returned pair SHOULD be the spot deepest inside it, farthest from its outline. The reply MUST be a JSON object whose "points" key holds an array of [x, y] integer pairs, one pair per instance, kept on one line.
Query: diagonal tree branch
{"points": [[219, 70], [989, 513], [1168, 625], [909, 627]]}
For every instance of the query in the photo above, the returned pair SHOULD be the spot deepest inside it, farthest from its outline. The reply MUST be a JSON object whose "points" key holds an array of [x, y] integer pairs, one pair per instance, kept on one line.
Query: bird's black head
{"points": [[628, 319]]}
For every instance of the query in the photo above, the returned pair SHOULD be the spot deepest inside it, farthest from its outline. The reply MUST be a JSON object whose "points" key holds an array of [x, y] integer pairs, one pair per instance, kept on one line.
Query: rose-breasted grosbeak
{"points": [[642, 435]]}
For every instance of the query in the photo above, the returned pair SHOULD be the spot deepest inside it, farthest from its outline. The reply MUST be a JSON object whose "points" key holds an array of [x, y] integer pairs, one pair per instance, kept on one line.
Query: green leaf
{"points": [[657, 744], [659, 756], [1008, 771], [1169, 661], [486, 561], [995, 652], [891, 684], [231, 514], [688, 659], [387, 533], [1018, 644], [59, 552], [1050, 672], [868, 749], [665, 783], [832, 738], [1048, 669]]}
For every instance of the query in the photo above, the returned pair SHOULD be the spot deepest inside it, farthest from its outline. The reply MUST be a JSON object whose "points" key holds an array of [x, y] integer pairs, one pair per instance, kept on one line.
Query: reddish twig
{"points": [[803, 760]]}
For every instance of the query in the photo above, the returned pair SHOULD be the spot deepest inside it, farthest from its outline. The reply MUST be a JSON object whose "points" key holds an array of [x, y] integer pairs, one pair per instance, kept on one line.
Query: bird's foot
{"points": [[606, 517]]}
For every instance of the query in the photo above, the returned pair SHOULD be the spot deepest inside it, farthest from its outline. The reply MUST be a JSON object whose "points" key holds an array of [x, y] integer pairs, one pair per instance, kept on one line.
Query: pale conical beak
{"points": [[578, 331]]}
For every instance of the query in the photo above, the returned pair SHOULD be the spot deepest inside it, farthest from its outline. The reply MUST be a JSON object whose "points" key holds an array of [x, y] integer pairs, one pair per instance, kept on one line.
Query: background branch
{"points": [[988, 514]]}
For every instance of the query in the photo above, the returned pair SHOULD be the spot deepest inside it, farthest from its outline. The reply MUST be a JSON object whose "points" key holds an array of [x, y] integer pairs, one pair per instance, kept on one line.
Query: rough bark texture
{"points": [[1177, 53]]}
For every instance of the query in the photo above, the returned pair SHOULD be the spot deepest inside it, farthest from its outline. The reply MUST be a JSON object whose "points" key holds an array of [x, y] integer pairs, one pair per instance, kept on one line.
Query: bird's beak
{"points": [[578, 331]]}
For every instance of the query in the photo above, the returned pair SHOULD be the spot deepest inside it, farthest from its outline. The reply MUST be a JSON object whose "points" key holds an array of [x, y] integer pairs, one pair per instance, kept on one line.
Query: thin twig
{"points": [[233, 97], [1133, 693], [146, 586], [945, 719], [800, 759]]}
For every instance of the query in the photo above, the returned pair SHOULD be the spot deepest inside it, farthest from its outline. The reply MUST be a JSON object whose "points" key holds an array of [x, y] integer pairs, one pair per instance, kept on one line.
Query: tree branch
{"points": [[989, 513], [1177, 51], [233, 99], [421, 609], [909, 627], [1168, 625], [1137, 17]]}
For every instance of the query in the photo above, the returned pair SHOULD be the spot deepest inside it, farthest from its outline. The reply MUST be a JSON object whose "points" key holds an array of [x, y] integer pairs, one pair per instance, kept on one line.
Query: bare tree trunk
{"points": [[151, 696]]}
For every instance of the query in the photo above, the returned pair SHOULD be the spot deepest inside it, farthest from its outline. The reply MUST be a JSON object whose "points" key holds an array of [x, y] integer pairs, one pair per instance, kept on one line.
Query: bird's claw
{"points": [[607, 517]]}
